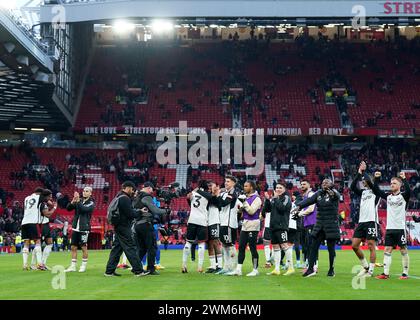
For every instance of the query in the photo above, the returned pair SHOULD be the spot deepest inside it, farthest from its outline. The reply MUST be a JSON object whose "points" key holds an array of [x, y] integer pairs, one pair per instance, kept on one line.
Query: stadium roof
{"points": [[78, 11]]}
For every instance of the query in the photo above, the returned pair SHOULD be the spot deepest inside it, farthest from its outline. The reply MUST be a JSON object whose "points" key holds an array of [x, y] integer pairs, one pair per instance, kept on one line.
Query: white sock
{"points": [[316, 264], [239, 268], [371, 267], [232, 255], [38, 254], [33, 258], [288, 253], [364, 263], [226, 258], [124, 259], [219, 260], [84, 263], [25, 255], [212, 262], [46, 253], [73, 263], [277, 257], [186, 253], [405, 263], [267, 253], [201, 252], [387, 262]]}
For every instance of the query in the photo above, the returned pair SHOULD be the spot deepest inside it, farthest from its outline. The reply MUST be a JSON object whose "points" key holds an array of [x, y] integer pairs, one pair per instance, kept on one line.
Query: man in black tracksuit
{"points": [[143, 226], [326, 227], [124, 241], [279, 206]]}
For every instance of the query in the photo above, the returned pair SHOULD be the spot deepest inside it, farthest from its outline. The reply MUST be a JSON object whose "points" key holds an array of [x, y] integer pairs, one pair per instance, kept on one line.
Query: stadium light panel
{"points": [[161, 26], [122, 26], [9, 4], [21, 129], [37, 129]]}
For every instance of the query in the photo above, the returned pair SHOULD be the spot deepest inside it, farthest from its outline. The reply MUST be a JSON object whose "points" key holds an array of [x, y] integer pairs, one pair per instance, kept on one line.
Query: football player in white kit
{"points": [[199, 199], [367, 227], [397, 202], [30, 227], [228, 202], [35, 209], [214, 245]]}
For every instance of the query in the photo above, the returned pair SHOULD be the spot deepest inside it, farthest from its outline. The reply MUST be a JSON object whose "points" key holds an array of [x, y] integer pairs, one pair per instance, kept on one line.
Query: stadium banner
{"points": [[275, 131]]}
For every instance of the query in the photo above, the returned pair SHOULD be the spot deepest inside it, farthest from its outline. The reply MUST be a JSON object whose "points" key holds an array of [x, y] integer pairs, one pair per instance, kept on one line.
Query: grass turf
{"points": [[172, 284]]}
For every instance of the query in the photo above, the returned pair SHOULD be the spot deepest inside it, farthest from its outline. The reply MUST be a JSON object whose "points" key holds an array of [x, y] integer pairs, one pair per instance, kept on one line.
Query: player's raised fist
{"points": [[362, 166], [402, 175]]}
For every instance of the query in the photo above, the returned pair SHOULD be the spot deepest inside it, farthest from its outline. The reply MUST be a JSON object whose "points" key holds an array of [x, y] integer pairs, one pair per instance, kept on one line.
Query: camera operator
{"points": [[124, 241], [144, 231]]}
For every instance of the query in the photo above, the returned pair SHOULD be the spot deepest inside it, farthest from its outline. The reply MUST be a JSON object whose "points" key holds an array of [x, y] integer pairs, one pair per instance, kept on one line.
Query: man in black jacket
{"points": [[124, 241], [279, 206], [326, 227], [81, 226], [143, 227]]}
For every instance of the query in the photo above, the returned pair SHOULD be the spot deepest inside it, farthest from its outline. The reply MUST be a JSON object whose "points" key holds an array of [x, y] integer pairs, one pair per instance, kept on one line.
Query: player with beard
{"points": [[397, 203]]}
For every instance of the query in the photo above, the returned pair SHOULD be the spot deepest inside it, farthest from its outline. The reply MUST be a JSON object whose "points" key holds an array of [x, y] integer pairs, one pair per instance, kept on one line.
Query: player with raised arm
{"points": [[279, 206], [367, 227], [395, 235], [197, 224]]}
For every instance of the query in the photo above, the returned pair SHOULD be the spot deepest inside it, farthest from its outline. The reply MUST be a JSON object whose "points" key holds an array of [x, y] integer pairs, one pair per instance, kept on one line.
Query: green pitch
{"points": [[172, 284]]}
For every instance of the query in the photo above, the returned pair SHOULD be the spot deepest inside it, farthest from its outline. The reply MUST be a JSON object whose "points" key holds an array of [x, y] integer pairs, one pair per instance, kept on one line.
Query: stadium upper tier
{"points": [[172, 83]]}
